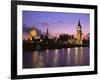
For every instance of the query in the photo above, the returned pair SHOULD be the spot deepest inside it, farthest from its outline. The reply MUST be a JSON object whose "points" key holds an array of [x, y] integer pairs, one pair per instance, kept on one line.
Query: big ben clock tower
{"points": [[79, 33]]}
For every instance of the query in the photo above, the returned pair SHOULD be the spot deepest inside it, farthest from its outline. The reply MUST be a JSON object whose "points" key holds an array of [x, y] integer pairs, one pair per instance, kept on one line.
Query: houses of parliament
{"points": [[77, 40]]}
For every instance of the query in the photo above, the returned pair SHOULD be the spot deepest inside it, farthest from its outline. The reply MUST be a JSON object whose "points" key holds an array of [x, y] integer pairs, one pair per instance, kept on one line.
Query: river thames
{"points": [[78, 56]]}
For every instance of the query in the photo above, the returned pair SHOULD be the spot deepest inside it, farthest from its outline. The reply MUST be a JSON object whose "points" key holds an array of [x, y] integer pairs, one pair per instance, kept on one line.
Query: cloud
{"points": [[61, 22], [44, 24]]}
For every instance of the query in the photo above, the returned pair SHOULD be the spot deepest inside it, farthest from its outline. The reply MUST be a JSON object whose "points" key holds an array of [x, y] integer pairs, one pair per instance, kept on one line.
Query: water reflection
{"points": [[81, 55], [40, 61], [68, 56], [78, 56], [35, 58], [47, 56], [56, 58]]}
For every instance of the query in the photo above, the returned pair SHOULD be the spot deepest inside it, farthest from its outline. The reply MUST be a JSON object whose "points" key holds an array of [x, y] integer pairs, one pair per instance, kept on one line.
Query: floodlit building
{"points": [[33, 33], [79, 33]]}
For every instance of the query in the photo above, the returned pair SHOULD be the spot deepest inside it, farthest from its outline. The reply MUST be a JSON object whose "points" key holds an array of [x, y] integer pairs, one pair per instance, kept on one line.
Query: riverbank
{"points": [[40, 46]]}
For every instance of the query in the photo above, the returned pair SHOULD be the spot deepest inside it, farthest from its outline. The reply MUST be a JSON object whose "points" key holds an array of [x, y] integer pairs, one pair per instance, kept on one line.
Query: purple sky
{"points": [[56, 22]]}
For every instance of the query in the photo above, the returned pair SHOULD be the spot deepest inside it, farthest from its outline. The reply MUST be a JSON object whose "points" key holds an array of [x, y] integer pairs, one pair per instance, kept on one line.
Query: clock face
{"points": [[78, 28]]}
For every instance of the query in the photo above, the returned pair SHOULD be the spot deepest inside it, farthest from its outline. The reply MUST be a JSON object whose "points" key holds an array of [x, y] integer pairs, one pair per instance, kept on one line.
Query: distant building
{"points": [[79, 33], [72, 41]]}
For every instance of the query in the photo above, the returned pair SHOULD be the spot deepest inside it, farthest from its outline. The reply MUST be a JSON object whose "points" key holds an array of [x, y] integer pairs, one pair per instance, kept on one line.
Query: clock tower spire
{"points": [[79, 33]]}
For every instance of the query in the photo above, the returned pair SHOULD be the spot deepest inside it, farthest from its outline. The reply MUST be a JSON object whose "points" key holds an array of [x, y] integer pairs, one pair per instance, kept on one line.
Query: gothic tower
{"points": [[79, 33]]}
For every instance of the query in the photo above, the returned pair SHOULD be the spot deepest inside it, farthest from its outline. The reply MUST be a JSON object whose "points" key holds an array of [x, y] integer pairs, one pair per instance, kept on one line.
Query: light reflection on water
{"points": [[77, 56], [55, 57], [68, 55], [35, 58]]}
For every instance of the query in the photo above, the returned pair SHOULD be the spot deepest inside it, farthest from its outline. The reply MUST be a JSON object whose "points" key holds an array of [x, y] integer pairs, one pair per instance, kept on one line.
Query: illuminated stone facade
{"points": [[33, 33]]}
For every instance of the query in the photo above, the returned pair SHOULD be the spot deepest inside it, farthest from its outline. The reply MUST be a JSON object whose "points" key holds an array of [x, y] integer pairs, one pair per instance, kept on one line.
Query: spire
{"points": [[47, 33], [36, 28], [32, 27], [79, 24]]}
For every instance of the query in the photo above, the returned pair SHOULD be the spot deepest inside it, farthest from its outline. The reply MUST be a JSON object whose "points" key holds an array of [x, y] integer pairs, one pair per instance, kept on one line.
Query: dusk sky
{"points": [[56, 22]]}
